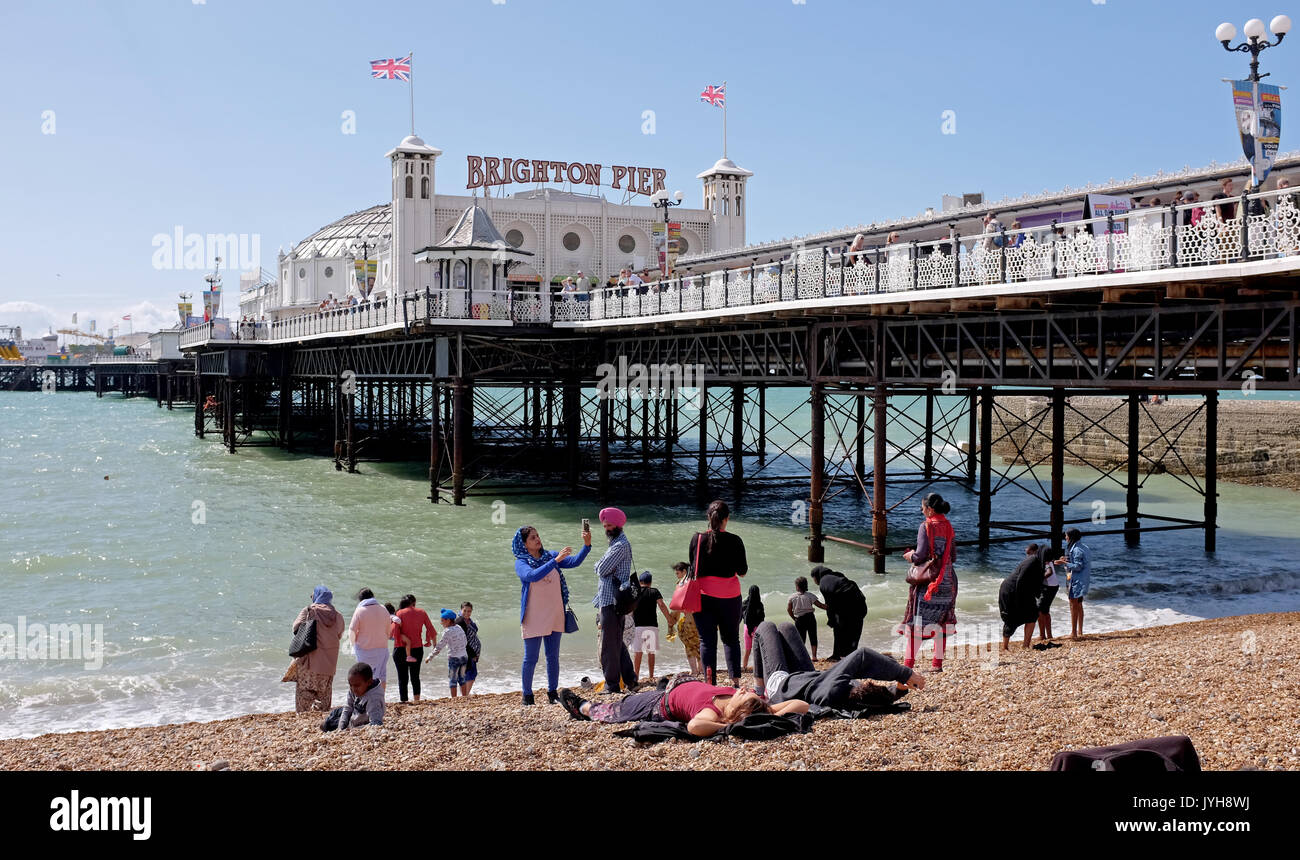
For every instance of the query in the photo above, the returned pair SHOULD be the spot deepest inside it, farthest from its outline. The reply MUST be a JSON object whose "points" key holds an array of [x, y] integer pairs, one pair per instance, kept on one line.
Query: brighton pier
{"points": [[897, 351]]}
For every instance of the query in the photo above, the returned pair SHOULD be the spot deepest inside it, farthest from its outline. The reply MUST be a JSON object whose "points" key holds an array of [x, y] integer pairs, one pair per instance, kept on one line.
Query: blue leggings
{"points": [[531, 646]]}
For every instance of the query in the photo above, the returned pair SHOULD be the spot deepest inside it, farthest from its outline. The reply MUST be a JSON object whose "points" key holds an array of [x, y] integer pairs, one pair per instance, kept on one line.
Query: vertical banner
{"points": [[207, 305], [183, 309], [659, 245], [674, 245], [216, 302], [365, 271], [1259, 120]]}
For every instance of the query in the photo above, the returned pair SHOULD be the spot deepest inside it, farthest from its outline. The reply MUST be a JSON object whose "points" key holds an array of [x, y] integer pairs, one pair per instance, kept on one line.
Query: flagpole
{"points": [[724, 121], [412, 89]]}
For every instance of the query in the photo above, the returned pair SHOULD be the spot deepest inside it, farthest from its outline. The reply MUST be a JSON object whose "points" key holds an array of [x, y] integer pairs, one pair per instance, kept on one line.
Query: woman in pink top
{"points": [[542, 600], [719, 559], [704, 708]]}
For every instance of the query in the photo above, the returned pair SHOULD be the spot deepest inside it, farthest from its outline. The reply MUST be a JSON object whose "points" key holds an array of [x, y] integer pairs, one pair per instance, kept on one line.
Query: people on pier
{"points": [[931, 606], [1078, 566], [785, 672], [417, 632], [800, 609], [613, 573], [846, 609], [313, 672], [1018, 596], [645, 621], [543, 597], [719, 561], [751, 615], [704, 708], [371, 624], [684, 627]]}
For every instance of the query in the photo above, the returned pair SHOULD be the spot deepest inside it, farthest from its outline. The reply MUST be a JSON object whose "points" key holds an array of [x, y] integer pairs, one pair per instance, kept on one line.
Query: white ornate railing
{"points": [[1141, 240], [1150, 239]]}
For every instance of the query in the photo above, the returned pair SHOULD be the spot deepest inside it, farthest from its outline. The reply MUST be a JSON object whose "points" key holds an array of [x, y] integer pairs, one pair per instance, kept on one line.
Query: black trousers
{"points": [[408, 671], [719, 618], [848, 630], [807, 627], [779, 649], [615, 662]]}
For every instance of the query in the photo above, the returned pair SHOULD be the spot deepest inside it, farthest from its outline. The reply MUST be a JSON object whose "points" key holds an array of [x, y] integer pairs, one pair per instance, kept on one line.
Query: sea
{"points": [[188, 564]]}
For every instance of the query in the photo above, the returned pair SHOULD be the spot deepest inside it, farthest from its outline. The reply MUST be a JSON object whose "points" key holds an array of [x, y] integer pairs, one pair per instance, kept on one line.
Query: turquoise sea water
{"points": [[196, 615]]}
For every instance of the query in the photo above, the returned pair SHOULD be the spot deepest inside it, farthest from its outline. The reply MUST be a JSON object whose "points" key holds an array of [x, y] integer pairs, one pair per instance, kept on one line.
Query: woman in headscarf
{"points": [[542, 602], [1018, 596], [931, 608], [751, 612], [314, 671]]}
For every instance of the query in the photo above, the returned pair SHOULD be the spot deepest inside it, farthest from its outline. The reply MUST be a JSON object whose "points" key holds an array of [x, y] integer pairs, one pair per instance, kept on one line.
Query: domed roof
{"points": [[374, 225], [411, 143], [727, 167]]}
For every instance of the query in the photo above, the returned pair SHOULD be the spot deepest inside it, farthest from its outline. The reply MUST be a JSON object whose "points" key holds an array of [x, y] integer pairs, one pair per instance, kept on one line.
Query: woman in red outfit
{"points": [[931, 609]]}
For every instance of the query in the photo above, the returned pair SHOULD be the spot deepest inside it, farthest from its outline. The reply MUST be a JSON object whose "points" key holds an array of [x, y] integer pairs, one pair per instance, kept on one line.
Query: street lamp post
{"points": [[661, 200], [1255, 42], [365, 248]]}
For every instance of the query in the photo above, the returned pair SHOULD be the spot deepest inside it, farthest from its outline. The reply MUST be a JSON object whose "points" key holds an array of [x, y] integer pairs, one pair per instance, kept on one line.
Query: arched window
{"points": [[738, 212], [424, 188], [724, 206], [410, 186]]}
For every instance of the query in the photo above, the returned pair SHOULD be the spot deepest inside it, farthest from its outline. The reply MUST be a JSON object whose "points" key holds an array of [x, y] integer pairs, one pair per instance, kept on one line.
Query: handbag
{"points": [[686, 596], [928, 572], [627, 597], [304, 639], [570, 620]]}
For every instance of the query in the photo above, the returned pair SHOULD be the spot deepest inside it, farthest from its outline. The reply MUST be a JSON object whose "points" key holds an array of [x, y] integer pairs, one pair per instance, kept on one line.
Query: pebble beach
{"points": [[1231, 684]]}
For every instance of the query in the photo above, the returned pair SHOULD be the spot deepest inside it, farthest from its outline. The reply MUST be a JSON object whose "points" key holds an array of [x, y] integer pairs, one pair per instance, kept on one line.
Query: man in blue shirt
{"points": [[1078, 564], [613, 570]]}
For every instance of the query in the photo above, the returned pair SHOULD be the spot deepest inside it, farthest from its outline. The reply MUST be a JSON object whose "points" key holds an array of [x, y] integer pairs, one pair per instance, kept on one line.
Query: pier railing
{"points": [[1250, 227], [1204, 233]]}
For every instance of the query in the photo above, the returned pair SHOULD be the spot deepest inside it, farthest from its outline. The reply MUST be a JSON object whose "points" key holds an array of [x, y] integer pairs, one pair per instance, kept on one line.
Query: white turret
{"points": [[724, 197], [413, 211]]}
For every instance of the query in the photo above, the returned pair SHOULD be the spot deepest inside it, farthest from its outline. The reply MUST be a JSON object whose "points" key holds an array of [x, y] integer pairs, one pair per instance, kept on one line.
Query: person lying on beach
{"points": [[704, 708], [785, 673], [365, 705]]}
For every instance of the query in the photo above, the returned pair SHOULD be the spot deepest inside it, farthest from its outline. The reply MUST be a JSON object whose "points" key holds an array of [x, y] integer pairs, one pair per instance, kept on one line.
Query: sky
{"points": [[126, 119]]}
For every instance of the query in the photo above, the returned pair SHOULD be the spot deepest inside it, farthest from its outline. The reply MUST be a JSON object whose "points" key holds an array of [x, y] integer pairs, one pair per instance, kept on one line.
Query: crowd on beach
{"points": [[705, 608]]}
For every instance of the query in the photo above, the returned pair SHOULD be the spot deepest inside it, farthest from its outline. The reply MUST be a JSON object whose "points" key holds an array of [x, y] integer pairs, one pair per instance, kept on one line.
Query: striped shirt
{"points": [[613, 569]]}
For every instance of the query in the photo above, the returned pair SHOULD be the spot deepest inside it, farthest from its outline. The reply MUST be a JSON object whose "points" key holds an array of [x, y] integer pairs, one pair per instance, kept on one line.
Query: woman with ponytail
{"points": [[931, 603], [718, 557]]}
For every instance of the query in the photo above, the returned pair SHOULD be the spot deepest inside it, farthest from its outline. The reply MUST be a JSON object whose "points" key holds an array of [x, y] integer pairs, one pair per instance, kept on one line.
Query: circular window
{"points": [[302, 273], [627, 244], [515, 238], [572, 242], [329, 271], [683, 247]]}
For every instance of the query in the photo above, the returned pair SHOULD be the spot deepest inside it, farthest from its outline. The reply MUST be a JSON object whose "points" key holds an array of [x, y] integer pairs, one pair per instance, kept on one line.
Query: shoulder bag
{"points": [[686, 596], [304, 638]]}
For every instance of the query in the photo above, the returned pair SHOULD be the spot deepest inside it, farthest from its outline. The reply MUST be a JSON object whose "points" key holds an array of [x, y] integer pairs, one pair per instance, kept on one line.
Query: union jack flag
{"points": [[392, 69], [716, 96]]}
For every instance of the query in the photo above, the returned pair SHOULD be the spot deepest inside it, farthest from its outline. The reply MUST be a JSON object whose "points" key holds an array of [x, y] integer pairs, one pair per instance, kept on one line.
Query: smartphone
{"points": [[586, 525]]}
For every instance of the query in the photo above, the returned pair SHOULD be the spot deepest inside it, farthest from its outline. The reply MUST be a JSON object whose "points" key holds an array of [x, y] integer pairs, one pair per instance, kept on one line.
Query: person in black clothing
{"points": [[645, 635], [1018, 596], [752, 614], [784, 671], [846, 608], [718, 557]]}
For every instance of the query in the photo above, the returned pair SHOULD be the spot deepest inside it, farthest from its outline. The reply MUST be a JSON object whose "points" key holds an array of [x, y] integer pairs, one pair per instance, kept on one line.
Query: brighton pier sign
{"points": [[487, 170]]}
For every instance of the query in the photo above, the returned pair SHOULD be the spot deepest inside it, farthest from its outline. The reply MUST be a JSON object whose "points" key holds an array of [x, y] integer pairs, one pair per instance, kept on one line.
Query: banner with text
{"points": [[1259, 120]]}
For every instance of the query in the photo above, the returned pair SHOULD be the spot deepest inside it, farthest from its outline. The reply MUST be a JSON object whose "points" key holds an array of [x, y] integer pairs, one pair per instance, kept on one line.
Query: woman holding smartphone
{"points": [[543, 598]]}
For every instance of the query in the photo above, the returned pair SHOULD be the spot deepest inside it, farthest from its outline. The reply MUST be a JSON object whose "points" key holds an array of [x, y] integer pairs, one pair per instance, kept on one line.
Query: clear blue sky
{"points": [[225, 116]]}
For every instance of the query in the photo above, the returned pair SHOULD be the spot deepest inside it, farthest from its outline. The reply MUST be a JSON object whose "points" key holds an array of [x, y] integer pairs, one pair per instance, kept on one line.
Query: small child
{"points": [[800, 610], [751, 610], [473, 647], [365, 705], [457, 657], [683, 625]]}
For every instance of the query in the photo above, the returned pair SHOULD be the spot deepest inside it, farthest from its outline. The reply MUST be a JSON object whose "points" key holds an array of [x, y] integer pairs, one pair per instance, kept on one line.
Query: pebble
{"points": [[219, 764]]}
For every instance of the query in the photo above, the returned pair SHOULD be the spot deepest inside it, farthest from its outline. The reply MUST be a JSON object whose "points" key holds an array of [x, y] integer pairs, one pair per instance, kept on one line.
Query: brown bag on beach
{"points": [[291, 674]]}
